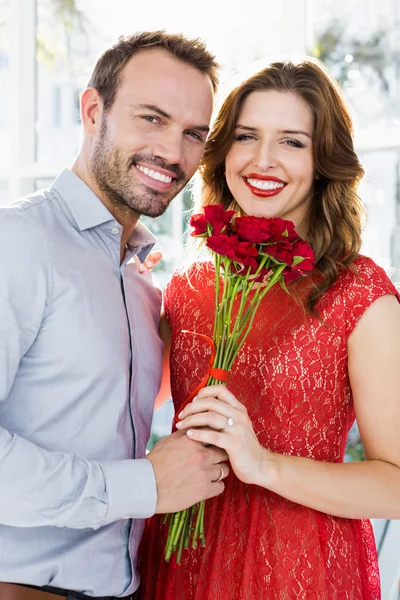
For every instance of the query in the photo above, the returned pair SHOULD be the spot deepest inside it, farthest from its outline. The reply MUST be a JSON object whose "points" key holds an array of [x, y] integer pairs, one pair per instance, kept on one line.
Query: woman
{"points": [[290, 523]]}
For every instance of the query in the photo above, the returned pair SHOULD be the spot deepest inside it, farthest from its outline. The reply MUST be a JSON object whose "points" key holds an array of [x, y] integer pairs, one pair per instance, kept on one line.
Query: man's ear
{"points": [[91, 111]]}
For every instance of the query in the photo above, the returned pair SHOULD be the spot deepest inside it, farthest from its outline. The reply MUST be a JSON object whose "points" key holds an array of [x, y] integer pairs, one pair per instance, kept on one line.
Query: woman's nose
{"points": [[266, 157]]}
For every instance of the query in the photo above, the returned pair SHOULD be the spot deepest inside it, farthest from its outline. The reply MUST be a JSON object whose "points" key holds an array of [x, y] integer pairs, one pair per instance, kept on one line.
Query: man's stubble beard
{"points": [[111, 171]]}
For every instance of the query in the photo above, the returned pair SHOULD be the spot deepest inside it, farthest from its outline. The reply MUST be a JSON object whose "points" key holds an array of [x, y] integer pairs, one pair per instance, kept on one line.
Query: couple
{"points": [[81, 355]]}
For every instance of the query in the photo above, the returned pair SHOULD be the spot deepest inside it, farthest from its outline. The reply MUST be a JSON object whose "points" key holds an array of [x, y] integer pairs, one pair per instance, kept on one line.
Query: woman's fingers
{"points": [[152, 259], [206, 419], [215, 399], [246, 455], [208, 404], [210, 437], [222, 393]]}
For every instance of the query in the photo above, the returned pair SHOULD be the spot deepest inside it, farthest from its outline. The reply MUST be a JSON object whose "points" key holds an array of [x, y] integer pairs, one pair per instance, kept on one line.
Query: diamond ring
{"points": [[229, 422]]}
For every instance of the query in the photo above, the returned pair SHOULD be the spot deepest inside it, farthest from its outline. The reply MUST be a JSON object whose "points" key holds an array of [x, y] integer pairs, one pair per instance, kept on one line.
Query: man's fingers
{"points": [[219, 455], [221, 471]]}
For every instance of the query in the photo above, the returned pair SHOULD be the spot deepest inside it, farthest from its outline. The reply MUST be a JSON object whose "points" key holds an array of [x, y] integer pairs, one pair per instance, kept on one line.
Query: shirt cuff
{"points": [[131, 489]]}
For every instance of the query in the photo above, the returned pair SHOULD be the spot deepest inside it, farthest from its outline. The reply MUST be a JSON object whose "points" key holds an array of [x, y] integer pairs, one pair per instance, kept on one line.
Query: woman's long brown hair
{"points": [[336, 215]]}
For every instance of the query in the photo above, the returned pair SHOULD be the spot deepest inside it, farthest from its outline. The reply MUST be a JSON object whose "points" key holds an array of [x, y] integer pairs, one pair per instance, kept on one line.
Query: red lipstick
{"points": [[264, 193]]}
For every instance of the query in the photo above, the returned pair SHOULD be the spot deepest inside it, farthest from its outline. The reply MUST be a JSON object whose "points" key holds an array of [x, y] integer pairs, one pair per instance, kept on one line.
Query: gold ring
{"points": [[222, 473]]}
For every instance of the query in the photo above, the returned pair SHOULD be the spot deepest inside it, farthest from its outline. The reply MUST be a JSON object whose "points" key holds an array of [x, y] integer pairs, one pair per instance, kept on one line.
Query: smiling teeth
{"points": [[154, 174], [265, 185]]}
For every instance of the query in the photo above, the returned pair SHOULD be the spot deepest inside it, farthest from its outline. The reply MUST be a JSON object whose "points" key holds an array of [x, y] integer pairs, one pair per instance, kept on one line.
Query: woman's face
{"points": [[270, 168]]}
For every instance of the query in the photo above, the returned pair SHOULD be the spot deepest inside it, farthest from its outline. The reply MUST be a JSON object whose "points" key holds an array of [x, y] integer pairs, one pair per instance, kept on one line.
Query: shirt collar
{"points": [[88, 211], [86, 208]]}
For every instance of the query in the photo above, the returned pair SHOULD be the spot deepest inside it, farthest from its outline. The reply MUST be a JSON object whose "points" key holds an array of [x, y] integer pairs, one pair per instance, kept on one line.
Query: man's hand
{"points": [[186, 472]]}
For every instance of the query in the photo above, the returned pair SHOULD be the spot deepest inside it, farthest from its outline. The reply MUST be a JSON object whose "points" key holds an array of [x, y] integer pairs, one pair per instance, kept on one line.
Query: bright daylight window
{"points": [[360, 43], [4, 97]]}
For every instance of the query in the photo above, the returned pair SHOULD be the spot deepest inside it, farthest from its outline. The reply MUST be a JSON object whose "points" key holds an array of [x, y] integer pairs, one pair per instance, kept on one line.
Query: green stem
{"points": [[183, 536], [171, 534], [274, 279], [197, 527], [221, 310], [247, 287], [217, 278], [201, 519], [227, 323]]}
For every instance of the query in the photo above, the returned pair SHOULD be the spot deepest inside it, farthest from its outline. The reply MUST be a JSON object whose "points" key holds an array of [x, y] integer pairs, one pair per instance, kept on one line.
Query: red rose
{"points": [[245, 254], [303, 256], [232, 248], [303, 261], [199, 223], [218, 217], [263, 276], [260, 230], [214, 215], [252, 229], [282, 251], [291, 274], [281, 228]]}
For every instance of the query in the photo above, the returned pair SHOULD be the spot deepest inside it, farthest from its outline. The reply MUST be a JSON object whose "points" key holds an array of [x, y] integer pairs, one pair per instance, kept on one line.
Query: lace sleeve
{"points": [[369, 283]]}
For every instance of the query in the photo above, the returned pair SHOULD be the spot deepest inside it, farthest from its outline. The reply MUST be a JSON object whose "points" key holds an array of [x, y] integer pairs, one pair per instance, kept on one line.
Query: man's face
{"points": [[151, 140]]}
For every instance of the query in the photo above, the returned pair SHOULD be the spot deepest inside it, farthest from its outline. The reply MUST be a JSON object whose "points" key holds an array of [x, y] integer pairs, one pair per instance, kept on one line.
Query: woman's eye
{"points": [[294, 143], [243, 137]]}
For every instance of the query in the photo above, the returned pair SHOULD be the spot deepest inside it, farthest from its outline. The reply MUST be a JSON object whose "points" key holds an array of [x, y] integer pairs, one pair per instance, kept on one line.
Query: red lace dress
{"points": [[292, 376]]}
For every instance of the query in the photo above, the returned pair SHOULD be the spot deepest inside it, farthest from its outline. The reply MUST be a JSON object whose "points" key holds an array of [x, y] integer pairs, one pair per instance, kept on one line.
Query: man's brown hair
{"points": [[106, 74]]}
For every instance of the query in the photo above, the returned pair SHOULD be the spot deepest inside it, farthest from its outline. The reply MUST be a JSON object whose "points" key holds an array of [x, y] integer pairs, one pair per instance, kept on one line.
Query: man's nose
{"points": [[169, 147]]}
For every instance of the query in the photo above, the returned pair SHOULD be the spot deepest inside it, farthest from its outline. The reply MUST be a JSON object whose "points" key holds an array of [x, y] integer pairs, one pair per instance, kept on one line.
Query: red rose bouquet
{"points": [[251, 255]]}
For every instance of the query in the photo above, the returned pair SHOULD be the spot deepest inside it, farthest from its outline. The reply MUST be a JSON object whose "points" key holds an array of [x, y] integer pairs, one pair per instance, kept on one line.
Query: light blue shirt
{"points": [[80, 367]]}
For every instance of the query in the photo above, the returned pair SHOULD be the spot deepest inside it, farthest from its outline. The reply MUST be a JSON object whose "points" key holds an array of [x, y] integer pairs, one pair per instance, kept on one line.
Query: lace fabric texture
{"points": [[292, 376]]}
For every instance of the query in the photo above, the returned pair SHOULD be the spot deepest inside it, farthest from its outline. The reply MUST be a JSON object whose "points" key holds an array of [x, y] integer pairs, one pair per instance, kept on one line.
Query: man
{"points": [[80, 354]]}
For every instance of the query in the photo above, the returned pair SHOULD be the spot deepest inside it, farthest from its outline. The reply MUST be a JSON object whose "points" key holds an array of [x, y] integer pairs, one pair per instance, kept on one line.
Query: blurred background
{"points": [[48, 49]]}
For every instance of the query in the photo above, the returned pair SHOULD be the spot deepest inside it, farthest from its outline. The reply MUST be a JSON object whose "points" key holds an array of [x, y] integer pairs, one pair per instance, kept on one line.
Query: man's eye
{"points": [[195, 135], [151, 118]]}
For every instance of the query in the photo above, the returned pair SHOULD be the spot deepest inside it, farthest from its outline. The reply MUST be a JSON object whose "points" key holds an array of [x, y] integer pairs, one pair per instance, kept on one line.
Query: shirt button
{"points": [[115, 230]]}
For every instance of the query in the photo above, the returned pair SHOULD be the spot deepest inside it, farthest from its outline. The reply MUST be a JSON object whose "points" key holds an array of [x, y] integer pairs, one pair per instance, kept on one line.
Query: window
{"points": [[4, 82], [360, 42], [3, 193], [57, 107]]}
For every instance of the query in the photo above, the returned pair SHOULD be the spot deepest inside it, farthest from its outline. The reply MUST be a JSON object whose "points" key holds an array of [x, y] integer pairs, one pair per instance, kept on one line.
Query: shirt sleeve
{"points": [[40, 487], [166, 303]]}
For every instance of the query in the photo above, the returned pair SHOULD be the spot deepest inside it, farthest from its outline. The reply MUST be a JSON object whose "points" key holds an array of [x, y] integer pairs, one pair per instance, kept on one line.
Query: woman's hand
{"points": [[148, 265], [224, 422]]}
